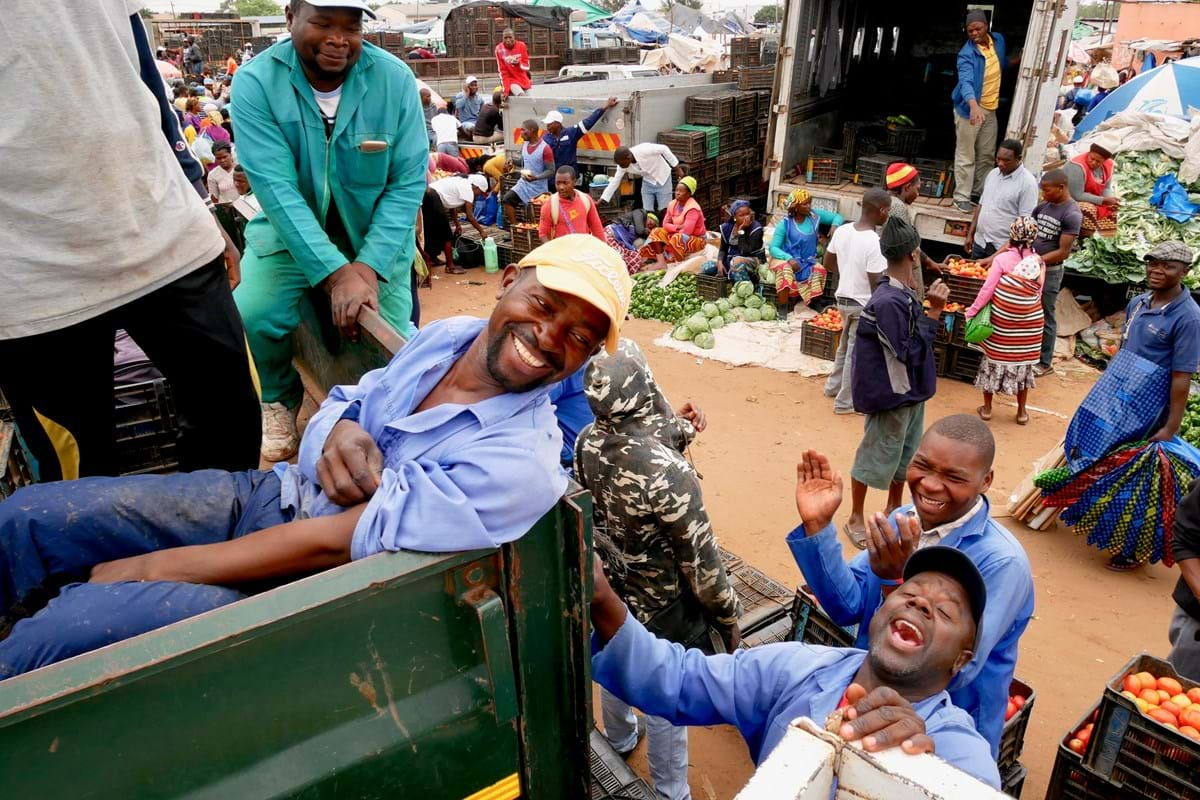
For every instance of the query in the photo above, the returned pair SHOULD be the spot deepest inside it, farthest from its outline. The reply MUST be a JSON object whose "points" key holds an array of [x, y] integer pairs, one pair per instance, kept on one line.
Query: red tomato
{"points": [[1170, 685], [1133, 684], [1018, 700], [1077, 745], [1009, 711], [1084, 735]]}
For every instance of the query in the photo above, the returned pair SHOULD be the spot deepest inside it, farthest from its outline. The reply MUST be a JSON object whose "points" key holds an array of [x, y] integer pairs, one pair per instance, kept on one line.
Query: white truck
{"points": [[645, 107], [843, 60]]}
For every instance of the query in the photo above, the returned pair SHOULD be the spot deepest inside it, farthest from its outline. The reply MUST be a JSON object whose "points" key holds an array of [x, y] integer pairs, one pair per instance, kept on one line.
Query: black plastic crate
{"points": [[716, 108], [686, 145], [941, 358], [612, 779], [729, 165], [15, 470], [1013, 780], [936, 175], [1070, 781], [756, 77], [731, 560], [146, 432], [1012, 736], [778, 628], [825, 166], [1137, 753], [872, 170], [758, 593], [861, 138], [745, 107], [812, 626], [711, 287], [963, 366], [963, 290], [905, 141], [819, 342]]}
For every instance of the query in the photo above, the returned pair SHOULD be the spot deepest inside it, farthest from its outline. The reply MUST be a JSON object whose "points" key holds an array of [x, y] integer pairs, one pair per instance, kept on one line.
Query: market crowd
{"points": [[321, 163]]}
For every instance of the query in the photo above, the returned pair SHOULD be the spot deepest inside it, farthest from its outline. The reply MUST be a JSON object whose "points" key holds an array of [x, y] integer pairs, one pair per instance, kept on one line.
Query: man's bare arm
{"points": [[292, 549]]}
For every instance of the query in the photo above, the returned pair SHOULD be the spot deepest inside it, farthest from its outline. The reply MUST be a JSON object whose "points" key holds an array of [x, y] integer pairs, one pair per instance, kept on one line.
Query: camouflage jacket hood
{"points": [[651, 528]]}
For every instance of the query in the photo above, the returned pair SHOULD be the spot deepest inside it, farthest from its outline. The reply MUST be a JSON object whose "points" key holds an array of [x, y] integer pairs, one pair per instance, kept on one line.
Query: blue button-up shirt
{"points": [[564, 145], [572, 410], [852, 593], [1169, 336], [455, 477], [760, 692]]}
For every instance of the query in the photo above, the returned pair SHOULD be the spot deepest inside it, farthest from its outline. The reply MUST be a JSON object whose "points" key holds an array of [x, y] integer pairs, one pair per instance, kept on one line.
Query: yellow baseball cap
{"points": [[585, 267]]}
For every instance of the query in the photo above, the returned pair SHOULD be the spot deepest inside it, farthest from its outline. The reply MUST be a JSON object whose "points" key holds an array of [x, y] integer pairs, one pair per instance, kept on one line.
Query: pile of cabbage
{"points": [[671, 303], [742, 304], [1118, 259]]}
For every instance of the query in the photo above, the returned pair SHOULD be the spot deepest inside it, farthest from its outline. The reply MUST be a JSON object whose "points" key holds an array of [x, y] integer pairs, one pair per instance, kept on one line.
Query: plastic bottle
{"points": [[491, 259]]}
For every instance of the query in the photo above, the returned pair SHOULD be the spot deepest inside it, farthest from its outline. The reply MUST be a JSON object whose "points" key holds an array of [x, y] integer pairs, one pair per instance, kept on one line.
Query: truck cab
{"points": [[859, 60], [604, 72]]}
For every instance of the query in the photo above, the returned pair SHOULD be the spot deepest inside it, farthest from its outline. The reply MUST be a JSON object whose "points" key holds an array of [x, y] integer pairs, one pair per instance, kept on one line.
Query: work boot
{"points": [[279, 437]]}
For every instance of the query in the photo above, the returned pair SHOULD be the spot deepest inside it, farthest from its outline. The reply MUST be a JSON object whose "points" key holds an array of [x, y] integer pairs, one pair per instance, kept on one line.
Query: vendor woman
{"points": [[1163, 326], [741, 245], [682, 232], [793, 249], [1089, 180]]}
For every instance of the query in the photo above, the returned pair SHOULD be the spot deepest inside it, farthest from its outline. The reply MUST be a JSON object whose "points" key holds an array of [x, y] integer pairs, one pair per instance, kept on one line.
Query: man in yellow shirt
{"points": [[976, 97]]}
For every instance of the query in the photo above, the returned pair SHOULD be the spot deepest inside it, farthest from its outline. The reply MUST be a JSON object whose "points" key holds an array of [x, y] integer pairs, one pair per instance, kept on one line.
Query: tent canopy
{"points": [[1169, 89], [594, 13]]}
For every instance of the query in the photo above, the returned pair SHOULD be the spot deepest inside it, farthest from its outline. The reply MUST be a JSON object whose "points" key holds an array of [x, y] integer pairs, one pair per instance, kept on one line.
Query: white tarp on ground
{"points": [[686, 55], [774, 345], [1135, 130]]}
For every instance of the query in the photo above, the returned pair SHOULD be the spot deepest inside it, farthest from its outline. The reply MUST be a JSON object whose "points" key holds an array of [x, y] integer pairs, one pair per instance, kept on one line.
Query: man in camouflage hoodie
{"points": [[653, 535]]}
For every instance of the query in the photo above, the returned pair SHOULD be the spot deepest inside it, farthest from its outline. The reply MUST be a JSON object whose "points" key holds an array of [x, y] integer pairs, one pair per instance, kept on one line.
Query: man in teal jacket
{"points": [[331, 134]]}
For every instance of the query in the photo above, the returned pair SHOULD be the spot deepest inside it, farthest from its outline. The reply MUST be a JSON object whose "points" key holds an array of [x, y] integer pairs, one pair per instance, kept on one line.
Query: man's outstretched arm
{"points": [[292, 549]]}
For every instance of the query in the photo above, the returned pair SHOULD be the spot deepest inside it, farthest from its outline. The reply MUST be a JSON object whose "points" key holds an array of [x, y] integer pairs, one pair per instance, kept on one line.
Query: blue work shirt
{"points": [[565, 143], [760, 692], [971, 65], [572, 411], [455, 477], [1169, 336], [852, 593], [468, 106]]}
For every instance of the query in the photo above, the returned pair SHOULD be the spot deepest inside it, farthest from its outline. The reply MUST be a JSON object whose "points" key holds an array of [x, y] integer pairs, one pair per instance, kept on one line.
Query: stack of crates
{"points": [[745, 51], [473, 31], [937, 176], [872, 170], [692, 144], [756, 77], [714, 108], [824, 166], [146, 428], [612, 779]]}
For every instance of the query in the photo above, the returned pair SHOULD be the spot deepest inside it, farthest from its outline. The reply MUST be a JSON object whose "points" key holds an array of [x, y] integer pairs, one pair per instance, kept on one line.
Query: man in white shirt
{"points": [[654, 163], [445, 133], [439, 212], [853, 252], [135, 249]]}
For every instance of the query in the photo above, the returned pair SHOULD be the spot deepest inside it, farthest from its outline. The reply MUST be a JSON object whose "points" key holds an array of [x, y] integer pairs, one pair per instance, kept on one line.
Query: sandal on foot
{"points": [[984, 413], [1121, 564], [1023, 419], [455, 271], [857, 538]]}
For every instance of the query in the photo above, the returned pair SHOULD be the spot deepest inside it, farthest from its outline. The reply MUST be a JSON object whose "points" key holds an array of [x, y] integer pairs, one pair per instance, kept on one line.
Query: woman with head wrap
{"points": [[1089, 180], [1014, 288], [682, 232], [793, 249], [741, 245], [628, 234], [210, 125]]}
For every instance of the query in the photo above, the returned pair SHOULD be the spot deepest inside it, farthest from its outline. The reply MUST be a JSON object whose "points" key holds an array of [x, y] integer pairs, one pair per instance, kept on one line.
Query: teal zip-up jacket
{"points": [[295, 171]]}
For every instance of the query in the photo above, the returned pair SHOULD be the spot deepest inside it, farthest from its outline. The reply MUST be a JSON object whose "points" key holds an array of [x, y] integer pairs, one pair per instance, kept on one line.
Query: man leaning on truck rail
{"points": [[452, 446], [331, 132], [976, 97]]}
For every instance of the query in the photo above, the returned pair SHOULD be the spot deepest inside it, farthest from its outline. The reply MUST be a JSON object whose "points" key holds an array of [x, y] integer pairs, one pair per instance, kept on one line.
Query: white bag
{"points": [[202, 148]]}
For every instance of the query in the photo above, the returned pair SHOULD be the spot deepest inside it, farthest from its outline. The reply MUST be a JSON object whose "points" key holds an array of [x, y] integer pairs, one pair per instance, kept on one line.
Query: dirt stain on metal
{"points": [[381, 668], [54, 745]]}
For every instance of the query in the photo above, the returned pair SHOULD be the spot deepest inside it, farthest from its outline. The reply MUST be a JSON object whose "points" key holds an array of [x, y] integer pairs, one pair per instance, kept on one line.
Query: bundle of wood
{"points": [[1026, 504]]}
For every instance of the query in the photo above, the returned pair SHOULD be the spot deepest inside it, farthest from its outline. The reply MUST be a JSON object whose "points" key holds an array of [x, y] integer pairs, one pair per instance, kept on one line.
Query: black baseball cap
{"points": [[952, 562]]}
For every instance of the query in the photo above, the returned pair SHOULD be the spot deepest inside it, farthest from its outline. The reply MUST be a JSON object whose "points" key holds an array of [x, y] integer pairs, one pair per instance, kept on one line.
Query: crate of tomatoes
{"points": [[1016, 721], [965, 279], [819, 336], [1146, 738], [1069, 779]]}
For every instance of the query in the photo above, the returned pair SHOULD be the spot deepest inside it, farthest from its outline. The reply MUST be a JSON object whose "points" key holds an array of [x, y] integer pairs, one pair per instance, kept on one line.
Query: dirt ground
{"points": [[1087, 622]]}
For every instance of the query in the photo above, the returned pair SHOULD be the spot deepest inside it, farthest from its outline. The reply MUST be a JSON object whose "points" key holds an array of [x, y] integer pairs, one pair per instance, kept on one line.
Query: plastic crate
{"points": [[145, 428], [15, 470], [723, 76], [711, 287], [686, 145], [524, 239], [1132, 751], [612, 779], [935, 176], [712, 139], [731, 560], [963, 290], [963, 365], [831, 284], [758, 593], [825, 167], [819, 342], [745, 107], [775, 630], [1012, 736], [871, 170], [728, 140], [716, 108], [1013, 780], [941, 358], [860, 138], [946, 326], [905, 141], [811, 625], [958, 329], [756, 78], [1069, 780], [729, 165]]}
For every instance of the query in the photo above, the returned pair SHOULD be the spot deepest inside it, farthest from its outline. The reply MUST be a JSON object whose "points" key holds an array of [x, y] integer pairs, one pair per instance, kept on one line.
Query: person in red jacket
{"points": [[682, 232], [513, 59], [568, 211]]}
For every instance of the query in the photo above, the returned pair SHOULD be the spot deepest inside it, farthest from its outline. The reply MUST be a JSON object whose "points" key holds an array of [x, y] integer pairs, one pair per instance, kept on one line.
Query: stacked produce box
{"points": [[1142, 740], [473, 31]]}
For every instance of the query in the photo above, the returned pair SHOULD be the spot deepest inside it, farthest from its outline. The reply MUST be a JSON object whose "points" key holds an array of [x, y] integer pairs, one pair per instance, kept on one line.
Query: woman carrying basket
{"points": [[1014, 290]]}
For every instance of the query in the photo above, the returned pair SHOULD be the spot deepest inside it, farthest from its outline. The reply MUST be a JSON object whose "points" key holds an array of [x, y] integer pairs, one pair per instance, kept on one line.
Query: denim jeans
{"points": [[656, 197], [666, 745], [1054, 279]]}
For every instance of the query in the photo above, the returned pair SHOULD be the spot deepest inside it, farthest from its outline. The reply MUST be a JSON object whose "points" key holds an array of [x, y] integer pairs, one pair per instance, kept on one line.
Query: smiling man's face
{"points": [[328, 41], [538, 336], [945, 478], [923, 632]]}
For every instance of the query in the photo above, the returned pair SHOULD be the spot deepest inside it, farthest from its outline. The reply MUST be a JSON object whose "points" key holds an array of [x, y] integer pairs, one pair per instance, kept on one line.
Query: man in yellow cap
{"points": [[419, 455]]}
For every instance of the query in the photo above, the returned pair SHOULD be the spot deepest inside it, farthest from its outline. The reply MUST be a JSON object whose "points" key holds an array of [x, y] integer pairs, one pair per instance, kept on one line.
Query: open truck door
{"points": [[1042, 62]]}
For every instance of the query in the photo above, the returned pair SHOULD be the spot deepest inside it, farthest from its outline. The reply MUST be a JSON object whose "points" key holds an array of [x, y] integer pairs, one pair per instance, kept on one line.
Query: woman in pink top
{"points": [[682, 232], [1014, 288]]}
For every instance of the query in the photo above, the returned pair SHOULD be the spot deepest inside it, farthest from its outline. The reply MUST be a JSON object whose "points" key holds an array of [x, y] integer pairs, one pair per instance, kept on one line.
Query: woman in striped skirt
{"points": [[1014, 288]]}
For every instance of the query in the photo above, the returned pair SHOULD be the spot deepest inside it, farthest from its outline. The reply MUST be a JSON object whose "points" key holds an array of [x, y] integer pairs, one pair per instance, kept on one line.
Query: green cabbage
{"points": [[705, 341], [697, 323], [682, 333], [765, 275], [754, 301], [729, 317], [716, 322], [710, 310], [753, 315], [744, 288], [736, 300], [768, 312], [723, 305]]}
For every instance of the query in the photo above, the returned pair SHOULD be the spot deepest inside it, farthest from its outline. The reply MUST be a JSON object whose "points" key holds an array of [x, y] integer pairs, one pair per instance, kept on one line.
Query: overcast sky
{"points": [[211, 5]]}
